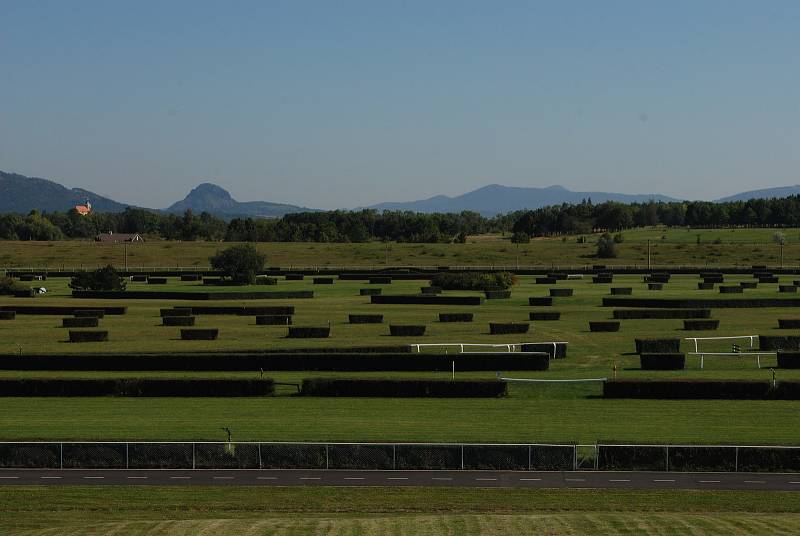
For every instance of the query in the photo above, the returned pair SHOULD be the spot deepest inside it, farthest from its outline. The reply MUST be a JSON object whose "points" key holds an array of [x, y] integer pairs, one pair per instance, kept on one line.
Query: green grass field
{"points": [[529, 413], [668, 247], [410, 511]]}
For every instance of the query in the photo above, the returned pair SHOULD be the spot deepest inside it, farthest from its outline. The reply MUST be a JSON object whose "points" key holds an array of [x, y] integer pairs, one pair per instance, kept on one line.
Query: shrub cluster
{"points": [[88, 336], [473, 280], [136, 387], [309, 332], [403, 388], [544, 315], [702, 389], [199, 334], [396, 330], [398, 299], [80, 322], [107, 278], [660, 314], [455, 317], [178, 321], [657, 346]]}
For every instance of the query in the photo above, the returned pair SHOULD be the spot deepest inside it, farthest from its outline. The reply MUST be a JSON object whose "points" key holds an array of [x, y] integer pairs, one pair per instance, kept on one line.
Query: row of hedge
{"points": [[680, 389], [701, 303], [183, 387], [319, 361], [286, 456], [473, 280], [192, 295], [405, 388], [257, 310], [60, 310]]}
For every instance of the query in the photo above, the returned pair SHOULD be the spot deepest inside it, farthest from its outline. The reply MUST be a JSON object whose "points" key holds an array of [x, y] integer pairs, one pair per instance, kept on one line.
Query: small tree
{"points": [[520, 238], [606, 247], [779, 238], [240, 263], [107, 278]]}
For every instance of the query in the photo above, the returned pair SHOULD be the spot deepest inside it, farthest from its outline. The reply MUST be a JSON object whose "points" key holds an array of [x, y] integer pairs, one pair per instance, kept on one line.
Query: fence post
{"points": [[193, 463], [127, 457], [736, 460], [462, 457], [61, 455]]}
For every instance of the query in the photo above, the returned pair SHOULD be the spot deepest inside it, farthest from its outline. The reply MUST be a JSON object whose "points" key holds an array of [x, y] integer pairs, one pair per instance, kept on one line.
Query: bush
{"points": [[176, 311], [455, 317], [546, 280], [700, 325], [561, 292], [749, 284], [705, 286], [603, 326], [88, 336], [136, 387], [426, 299], [790, 359], [731, 289], [306, 332], [396, 330], [544, 315], [619, 238], [497, 328], [606, 247], [156, 280], [497, 294], [322, 281], [473, 280], [380, 280], [556, 350], [778, 342], [403, 388], [80, 322], [366, 319], [8, 286], [96, 313], [657, 346], [264, 280], [688, 389], [239, 263], [787, 288], [101, 279], [655, 286], [8, 315], [294, 277], [662, 361], [178, 321], [540, 302], [679, 314], [199, 334], [273, 320]]}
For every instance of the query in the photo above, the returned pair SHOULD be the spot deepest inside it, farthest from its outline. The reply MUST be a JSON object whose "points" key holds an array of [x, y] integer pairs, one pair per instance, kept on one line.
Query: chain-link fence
{"points": [[397, 456]]}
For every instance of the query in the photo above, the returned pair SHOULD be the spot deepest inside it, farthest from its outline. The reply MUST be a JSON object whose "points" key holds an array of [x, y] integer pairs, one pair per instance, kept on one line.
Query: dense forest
{"points": [[368, 225]]}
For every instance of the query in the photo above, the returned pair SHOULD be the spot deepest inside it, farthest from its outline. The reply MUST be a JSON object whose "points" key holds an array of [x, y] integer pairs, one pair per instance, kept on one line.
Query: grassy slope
{"points": [[742, 247], [221, 510], [530, 413]]}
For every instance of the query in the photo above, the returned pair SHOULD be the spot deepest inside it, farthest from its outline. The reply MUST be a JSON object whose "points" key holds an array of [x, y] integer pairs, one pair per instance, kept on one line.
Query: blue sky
{"points": [[349, 103]]}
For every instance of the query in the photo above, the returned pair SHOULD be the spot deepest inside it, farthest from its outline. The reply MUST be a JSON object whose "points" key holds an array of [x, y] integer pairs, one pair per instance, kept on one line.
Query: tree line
{"points": [[403, 226]]}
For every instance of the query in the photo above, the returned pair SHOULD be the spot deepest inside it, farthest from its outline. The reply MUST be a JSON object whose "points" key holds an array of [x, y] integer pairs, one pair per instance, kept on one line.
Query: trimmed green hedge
{"points": [[657, 346], [273, 320], [430, 290], [732, 289], [265, 280], [789, 323], [700, 325], [600, 280], [199, 334], [655, 286], [662, 361], [396, 330], [191, 295], [309, 332], [96, 313], [749, 284], [601, 326], [380, 280], [473, 280], [191, 277], [455, 317], [691, 303], [256, 310], [365, 319], [59, 310], [8, 315], [787, 289], [177, 320], [139, 278], [497, 294], [768, 279], [88, 336], [300, 361], [540, 302], [778, 342], [80, 322], [556, 350], [546, 280], [705, 286], [688, 389], [544, 315], [621, 291], [294, 277], [788, 360], [503, 328], [560, 292], [184, 387], [343, 387], [323, 281], [156, 280]]}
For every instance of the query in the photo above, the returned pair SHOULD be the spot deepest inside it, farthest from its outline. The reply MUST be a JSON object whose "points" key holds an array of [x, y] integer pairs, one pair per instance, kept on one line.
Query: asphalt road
{"points": [[482, 479]]}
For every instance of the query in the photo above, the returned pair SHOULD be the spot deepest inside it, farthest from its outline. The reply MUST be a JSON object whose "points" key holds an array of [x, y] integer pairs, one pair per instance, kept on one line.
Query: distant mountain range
{"points": [[22, 194], [766, 193], [216, 200], [496, 199]]}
